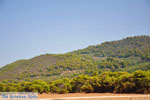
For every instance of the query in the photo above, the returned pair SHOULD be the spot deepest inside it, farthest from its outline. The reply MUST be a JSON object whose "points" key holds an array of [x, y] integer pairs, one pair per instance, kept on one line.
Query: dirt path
{"points": [[93, 96]]}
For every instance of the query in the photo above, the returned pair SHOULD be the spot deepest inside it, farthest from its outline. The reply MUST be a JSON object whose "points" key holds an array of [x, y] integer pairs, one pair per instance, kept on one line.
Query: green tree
{"points": [[60, 86], [2, 87]]}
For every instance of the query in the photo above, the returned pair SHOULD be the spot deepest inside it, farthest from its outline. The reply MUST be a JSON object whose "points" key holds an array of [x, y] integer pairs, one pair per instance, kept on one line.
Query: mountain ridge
{"points": [[117, 55]]}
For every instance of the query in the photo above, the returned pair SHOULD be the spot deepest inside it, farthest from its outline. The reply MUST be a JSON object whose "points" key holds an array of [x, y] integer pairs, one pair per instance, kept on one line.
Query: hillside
{"points": [[130, 46], [128, 54], [47, 67]]}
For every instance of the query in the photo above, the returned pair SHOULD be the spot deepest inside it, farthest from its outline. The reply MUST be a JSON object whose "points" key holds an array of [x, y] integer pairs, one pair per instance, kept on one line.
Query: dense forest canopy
{"points": [[113, 82]]}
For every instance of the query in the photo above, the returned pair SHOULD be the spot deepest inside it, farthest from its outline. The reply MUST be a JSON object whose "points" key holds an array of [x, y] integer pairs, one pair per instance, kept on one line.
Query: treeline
{"points": [[113, 82]]}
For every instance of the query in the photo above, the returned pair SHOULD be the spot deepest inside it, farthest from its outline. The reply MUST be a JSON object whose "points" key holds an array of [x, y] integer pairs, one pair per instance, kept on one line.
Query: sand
{"points": [[93, 96]]}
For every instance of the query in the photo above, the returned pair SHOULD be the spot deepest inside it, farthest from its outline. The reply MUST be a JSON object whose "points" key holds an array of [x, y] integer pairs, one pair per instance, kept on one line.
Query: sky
{"points": [[30, 28]]}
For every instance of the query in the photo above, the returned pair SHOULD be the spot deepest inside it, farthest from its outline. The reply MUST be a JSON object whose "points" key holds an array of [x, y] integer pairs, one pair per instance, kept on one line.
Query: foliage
{"points": [[130, 46], [113, 82], [60, 86], [112, 63]]}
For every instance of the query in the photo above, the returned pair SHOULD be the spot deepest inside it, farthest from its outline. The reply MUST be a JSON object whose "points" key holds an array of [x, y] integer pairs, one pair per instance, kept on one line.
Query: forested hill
{"points": [[130, 46], [129, 54], [47, 67]]}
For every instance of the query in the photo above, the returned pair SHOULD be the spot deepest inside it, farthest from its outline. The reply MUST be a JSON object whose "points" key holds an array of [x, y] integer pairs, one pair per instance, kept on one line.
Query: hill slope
{"points": [[47, 67], [130, 46], [129, 54]]}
